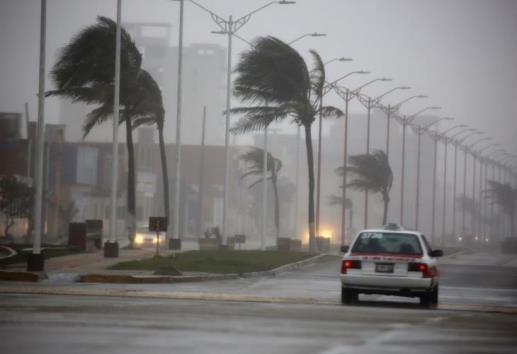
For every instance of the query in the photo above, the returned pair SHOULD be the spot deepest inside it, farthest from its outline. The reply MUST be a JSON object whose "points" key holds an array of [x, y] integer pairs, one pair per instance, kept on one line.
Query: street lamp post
{"points": [[455, 181], [444, 201], [465, 156], [406, 120], [230, 27], [420, 131], [347, 97], [368, 103], [111, 246], [36, 261], [177, 179], [318, 166], [474, 169], [482, 186], [435, 137]]}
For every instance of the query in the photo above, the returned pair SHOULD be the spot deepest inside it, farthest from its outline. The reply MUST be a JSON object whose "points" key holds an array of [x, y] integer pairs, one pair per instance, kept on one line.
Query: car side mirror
{"points": [[436, 253], [344, 249]]}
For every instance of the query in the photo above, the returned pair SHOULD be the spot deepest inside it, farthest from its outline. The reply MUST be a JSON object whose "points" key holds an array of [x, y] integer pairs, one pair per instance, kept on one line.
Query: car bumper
{"points": [[388, 283]]}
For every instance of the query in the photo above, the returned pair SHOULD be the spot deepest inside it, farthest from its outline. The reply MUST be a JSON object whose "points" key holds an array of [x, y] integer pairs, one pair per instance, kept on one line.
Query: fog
{"points": [[461, 54]]}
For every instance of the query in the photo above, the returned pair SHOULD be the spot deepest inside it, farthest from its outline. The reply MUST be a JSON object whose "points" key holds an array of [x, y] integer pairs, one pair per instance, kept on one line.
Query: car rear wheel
{"points": [[430, 298], [434, 296], [348, 296]]}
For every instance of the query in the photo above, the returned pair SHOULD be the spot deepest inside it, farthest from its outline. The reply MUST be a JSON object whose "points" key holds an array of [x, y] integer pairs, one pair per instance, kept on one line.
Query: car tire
{"points": [[430, 298], [434, 296], [348, 296]]}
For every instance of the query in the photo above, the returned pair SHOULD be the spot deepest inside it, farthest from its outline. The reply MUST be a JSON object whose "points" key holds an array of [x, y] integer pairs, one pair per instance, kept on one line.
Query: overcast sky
{"points": [[462, 53]]}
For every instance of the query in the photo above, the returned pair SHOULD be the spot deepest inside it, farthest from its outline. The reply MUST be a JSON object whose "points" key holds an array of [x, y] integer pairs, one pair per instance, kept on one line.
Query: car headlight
{"points": [[139, 238]]}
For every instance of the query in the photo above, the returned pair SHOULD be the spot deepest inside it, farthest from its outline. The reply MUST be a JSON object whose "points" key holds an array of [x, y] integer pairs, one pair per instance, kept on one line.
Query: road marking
{"points": [[222, 297]]}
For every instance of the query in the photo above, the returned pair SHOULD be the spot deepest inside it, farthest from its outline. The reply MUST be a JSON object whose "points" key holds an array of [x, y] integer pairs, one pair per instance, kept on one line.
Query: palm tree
{"points": [[506, 196], [149, 110], [274, 78], [372, 172], [255, 158], [85, 71]]}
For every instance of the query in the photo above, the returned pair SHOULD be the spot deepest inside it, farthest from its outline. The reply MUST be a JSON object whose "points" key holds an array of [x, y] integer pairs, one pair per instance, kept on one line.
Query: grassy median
{"points": [[48, 252], [216, 261]]}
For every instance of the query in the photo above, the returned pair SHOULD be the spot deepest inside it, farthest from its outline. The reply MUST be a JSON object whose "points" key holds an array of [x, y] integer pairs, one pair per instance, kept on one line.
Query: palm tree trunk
{"points": [[386, 200], [131, 183], [277, 204], [8, 224], [310, 166], [165, 175]]}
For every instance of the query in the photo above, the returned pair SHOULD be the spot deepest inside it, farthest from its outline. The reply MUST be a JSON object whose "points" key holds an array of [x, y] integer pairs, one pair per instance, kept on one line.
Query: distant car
{"points": [[390, 261], [144, 237]]}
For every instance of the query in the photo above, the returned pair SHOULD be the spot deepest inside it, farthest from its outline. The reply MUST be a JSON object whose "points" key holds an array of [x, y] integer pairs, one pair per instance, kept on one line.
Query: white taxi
{"points": [[390, 261]]}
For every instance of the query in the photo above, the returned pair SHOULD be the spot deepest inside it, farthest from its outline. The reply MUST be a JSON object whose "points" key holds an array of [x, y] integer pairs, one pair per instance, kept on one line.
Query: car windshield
{"points": [[387, 242]]}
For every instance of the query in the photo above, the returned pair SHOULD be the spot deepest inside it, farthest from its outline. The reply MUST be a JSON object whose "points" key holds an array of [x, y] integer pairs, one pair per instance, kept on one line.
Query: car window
{"points": [[387, 242], [426, 244]]}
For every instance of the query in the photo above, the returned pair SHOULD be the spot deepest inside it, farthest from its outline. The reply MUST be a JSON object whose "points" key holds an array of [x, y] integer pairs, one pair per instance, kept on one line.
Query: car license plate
{"points": [[384, 267]]}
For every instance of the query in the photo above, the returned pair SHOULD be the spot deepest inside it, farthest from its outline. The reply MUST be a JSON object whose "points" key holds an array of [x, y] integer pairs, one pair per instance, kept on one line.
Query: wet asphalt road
{"points": [[300, 313]]}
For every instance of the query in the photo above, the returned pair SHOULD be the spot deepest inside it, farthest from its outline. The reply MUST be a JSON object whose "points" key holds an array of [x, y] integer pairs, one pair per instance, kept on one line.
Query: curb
{"points": [[151, 279], [284, 268], [21, 276]]}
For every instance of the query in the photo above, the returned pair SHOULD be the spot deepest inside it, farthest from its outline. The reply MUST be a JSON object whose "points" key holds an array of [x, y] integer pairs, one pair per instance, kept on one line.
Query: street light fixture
{"points": [[379, 98], [397, 106], [337, 59], [314, 34], [358, 90], [230, 27], [333, 84], [406, 120]]}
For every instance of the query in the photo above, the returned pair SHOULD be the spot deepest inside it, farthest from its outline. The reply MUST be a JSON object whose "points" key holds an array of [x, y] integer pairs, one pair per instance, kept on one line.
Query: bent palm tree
{"points": [[274, 78], [255, 157], [85, 72], [372, 172], [506, 196], [149, 110]]}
